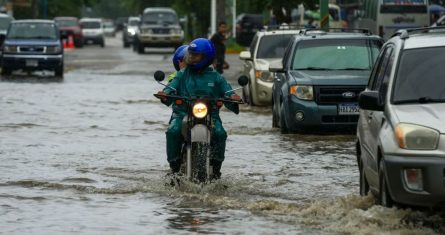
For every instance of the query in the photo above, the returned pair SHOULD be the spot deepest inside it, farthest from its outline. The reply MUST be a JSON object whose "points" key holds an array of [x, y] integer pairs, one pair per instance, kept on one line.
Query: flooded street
{"points": [[87, 155]]}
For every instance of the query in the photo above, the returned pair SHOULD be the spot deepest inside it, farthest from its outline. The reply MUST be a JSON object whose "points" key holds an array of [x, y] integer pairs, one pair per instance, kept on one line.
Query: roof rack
{"points": [[307, 30], [404, 33], [282, 27]]}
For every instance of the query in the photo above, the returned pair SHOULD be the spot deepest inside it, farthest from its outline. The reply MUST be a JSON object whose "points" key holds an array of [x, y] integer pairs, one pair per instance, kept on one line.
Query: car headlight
{"points": [[10, 49], [265, 76], [200, 110], [131, 31], [415, 137], [176, 31], [53, 49], [302, 92]]}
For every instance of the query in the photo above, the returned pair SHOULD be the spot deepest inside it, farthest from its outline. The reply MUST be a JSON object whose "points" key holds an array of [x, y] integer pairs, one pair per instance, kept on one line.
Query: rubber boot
{"points": [[216, 168], [175, 166]]}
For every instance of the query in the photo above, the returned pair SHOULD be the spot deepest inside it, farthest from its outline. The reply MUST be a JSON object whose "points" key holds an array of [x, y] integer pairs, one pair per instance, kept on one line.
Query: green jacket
{"points": [[205, 83]]}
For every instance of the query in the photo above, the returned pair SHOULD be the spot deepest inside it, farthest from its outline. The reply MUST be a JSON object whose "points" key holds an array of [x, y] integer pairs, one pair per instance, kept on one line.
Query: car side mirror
{"points": [[245, 55], [159, 76], [370, 100], [276, 67], [243, 80]]}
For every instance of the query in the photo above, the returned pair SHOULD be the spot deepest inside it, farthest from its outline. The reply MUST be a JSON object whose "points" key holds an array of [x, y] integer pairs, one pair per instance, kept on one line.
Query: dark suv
{"points": [[159, 27], [32, 45], [319, 79]]}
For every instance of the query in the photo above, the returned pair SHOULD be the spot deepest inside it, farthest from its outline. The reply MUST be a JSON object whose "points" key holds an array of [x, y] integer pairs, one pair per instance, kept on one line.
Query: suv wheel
{"points": [[364, 185], [59, 71], [141, 49], [274, 116], [384, 195], [283, 126], [6, 71]]}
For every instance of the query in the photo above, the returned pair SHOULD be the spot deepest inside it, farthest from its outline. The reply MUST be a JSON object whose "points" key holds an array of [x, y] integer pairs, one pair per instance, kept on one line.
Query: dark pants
{"points": [[175, 139]]}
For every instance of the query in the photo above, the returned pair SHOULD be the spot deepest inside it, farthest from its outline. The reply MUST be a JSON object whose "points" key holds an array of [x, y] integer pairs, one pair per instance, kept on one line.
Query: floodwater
{"points": [[87, 155]]}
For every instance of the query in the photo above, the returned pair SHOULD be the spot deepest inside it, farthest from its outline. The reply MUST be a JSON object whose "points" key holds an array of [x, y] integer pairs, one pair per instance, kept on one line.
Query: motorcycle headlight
{"points": [[302, 92], [200, 110], [10, 49], [53, 49], [415, 137]]}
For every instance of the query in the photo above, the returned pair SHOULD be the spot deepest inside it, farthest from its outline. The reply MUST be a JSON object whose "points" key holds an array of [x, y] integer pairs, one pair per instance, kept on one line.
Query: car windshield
{"points": [[273, 46], [90, 24], [336, 54], [133, 22], [66, 23], [159, 18], [420, 76], [32, 31], [4, 23]]}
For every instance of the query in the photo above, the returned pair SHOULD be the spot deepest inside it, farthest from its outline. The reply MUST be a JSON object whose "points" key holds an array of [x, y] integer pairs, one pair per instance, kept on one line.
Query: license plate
{"points": [[348, 109], [32, 63]]}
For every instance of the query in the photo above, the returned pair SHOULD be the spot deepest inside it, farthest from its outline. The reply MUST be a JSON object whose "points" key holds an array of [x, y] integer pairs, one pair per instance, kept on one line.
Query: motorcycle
{"points": [[196, 151]]}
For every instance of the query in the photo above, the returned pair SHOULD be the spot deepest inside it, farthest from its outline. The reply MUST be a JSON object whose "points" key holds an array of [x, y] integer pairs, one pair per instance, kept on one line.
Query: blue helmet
{"points": [[205, 47], [179, 56]]}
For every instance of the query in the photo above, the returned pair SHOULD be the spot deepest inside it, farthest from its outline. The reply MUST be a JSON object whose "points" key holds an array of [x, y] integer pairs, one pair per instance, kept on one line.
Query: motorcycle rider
{"points": [[178, 61], [198, 79]]}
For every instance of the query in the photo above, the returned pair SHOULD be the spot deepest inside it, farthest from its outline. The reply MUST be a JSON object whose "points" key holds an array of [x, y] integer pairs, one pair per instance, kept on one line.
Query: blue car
{"points": [[316, 85], [32, 45]]}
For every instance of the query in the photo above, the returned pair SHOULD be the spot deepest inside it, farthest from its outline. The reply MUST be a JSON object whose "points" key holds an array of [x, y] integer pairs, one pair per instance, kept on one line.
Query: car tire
{"points": [[102, 43], [283, 126], [58, 72], [126, 44], [141, 49], [6, 71], [384, 195], [274, 116], [364, 185]]}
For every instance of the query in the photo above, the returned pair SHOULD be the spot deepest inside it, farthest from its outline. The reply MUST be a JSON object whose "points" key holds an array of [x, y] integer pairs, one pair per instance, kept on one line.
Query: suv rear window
{"points": [[159, 18], [336, 54], [90, 24], [425, 83], [66, 23], [273, 46], [32, 31]]}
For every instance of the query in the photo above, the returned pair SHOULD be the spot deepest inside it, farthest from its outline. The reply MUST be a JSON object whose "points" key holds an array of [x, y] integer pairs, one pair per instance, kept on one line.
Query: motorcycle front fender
{"points": [[200, 133]]}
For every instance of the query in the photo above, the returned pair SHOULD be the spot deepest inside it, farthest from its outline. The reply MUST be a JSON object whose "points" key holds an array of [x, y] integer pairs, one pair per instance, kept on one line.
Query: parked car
{"points": [[5, 20], [129, 30], [159, 28], [93, 31], [247, 25], [401, 132], [319, 79], [70, 26], [267, 46], [32, 45], [109, 28]]}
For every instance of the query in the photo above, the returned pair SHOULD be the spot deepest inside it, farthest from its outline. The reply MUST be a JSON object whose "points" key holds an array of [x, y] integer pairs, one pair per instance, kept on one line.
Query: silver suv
{"points": [[159, 27], [266, 47], [401, 131]]}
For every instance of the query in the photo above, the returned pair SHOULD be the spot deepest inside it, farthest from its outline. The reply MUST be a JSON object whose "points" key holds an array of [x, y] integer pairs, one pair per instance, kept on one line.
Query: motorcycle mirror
{"points": [[159, 76], [243, 80]]}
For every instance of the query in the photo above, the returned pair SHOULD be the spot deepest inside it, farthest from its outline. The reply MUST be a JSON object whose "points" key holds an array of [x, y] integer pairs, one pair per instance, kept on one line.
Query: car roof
{"points": [[156, 9], [432, 38], [65, 18], [34, 21], [91, 19], [134, 18], [321, 34]]}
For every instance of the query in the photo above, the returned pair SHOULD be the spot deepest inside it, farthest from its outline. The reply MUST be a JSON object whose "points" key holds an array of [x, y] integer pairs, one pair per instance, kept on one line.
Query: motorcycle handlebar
{"points": [[191, 99]]}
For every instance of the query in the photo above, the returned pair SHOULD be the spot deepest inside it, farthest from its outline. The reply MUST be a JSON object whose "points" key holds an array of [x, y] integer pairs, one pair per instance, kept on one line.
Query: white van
{"points": [[93, 31]]}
